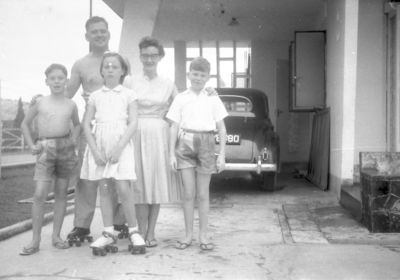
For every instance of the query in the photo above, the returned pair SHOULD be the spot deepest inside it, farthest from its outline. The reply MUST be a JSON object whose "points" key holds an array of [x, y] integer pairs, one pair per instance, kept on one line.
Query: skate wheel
{"points": [[70, 243], [95, 252], [82, 239], [78, 244], [138, 250], [130, 247], [103, 253], [89, 239]]}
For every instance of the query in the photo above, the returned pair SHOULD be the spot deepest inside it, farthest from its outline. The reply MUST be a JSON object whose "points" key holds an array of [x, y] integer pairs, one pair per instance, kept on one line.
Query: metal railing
{"points": [[12, 139]]}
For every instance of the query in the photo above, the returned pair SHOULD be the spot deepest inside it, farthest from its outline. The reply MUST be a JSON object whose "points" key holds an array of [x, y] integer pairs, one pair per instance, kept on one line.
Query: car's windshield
{"points": [[237, 104]]}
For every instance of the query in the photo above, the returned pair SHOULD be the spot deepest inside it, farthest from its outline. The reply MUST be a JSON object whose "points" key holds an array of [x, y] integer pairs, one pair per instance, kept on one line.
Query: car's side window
{"points": [[237, 104]]}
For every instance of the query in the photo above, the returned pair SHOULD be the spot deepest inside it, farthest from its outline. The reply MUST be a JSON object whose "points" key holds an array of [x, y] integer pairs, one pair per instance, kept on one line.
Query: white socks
{"points": [[109, 229], [132, 229]]}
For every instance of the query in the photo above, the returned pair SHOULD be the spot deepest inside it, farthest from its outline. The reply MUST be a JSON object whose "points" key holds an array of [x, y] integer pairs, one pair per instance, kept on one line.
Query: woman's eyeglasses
{"points": [[149, 56]]}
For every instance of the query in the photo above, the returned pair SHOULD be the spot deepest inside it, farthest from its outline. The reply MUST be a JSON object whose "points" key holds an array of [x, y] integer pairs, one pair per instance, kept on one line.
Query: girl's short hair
{"points": [[124, 64], [56, 66], [152, 42], [200, 64]]}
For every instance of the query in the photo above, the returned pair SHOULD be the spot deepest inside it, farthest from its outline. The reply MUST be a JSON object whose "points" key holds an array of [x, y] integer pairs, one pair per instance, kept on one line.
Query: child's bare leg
{"points": [[119, 217], [189, 187], [60, 203], [39, 198], [125, 194], [106, 204], [203, 196]]}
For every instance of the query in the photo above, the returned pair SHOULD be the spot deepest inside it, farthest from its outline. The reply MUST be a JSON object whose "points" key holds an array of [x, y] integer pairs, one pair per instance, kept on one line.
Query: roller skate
{"points": [[137, 246], [123, 231], [104, 244], [79, 235]]}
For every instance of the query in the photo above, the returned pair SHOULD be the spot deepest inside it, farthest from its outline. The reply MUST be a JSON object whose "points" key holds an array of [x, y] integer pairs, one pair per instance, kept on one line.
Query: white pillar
{"points": [[138, 21], [1, 130], [180, 65], [349, 88]]}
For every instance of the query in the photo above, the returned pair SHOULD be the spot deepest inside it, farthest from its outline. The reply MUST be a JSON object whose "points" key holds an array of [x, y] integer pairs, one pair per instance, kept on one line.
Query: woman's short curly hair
{"points": [[151, 42]]}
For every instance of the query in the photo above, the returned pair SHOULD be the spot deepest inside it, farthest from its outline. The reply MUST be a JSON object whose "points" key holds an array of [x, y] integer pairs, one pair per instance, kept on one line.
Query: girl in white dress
{"points": [[110, 154]]}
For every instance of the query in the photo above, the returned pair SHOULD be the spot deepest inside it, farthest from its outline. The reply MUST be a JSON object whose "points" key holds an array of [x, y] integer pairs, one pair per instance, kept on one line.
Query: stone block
{"points": [[394, 220], [378, 187], [379, 221], [377, 203], [394, 187], [392, 203]]}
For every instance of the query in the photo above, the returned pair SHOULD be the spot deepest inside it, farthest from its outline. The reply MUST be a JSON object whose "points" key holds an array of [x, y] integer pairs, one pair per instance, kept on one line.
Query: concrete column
{"points": [[342, 30], [1, 130], [180, 65], [349, 87], [138, 21]]}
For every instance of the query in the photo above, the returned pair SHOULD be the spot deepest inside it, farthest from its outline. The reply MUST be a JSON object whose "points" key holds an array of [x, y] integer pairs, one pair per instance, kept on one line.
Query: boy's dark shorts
{"points": [[196, 149], [57, 159]]}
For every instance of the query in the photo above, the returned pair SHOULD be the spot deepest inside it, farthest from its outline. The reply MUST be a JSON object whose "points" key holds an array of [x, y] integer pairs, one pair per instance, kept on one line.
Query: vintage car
{"points": [[251, 145]]}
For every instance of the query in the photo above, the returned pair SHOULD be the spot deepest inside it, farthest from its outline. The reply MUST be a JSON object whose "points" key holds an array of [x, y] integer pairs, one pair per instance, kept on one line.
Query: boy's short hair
{"points": [[152, 42], [56, 66], [95, 19], [122, 61], [200, 64]]}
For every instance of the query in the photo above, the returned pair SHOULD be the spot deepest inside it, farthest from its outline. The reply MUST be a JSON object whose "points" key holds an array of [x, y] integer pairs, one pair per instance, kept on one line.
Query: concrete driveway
{"points": [[298, 232]]}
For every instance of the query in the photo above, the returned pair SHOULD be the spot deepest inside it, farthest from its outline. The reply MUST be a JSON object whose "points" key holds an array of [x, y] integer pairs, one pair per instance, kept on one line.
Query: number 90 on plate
{"points": [[231, 139]]}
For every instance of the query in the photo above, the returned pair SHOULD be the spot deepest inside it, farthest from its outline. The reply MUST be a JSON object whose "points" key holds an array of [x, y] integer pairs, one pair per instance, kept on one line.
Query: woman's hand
{"points": [[173, 163], [211, 91]]}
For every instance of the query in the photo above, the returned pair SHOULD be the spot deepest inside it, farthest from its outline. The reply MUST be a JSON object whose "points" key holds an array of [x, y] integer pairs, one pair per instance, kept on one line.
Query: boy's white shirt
{"points": [[197, 111]]}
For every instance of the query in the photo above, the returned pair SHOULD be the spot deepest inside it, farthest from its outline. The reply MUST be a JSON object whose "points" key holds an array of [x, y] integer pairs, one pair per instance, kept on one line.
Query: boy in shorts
{"points": [[55, 150], [196, 115]]}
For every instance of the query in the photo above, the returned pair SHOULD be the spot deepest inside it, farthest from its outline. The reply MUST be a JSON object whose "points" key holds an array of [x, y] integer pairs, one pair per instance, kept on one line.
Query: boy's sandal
{"points": [[151, 243], [182, 245], [206, 246], [61, 245], [29, 251]]}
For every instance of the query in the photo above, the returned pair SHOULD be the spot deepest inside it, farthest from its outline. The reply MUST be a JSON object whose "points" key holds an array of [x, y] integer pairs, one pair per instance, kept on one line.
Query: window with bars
{"points": [[230, 62]]}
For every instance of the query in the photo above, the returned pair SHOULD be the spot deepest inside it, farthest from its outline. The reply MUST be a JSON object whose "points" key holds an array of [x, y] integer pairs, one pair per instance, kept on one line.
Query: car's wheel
{"points": [[268, 181]]}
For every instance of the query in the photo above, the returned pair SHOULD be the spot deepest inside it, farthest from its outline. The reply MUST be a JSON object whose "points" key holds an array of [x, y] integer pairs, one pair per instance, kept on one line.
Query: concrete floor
{"points": [[296, 233]]}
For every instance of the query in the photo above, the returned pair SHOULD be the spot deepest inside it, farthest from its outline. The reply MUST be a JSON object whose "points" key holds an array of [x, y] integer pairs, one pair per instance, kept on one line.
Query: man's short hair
{"points": [[200, 64], [56, 66], [93, 20], [152, 42]]}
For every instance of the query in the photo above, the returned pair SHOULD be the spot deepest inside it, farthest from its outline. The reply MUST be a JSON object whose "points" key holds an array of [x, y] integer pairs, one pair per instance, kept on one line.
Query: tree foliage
{"points": [[20, 114]]}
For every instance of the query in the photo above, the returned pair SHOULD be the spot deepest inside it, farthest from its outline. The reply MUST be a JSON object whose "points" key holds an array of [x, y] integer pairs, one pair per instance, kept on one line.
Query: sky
{"points": [[34, 34]]}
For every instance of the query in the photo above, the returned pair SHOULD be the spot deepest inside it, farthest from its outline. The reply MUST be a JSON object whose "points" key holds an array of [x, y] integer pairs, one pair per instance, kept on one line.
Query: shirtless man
{"points": [[86, 73]]}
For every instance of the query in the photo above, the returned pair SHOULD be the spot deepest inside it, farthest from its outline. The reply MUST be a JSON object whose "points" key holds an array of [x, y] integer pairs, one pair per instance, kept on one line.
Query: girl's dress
{"points": [[111, 121], [156, 182]]}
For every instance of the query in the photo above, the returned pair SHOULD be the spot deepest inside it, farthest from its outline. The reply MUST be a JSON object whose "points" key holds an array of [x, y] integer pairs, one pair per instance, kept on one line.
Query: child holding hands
{"points": [[110, 154], [196, 114]]}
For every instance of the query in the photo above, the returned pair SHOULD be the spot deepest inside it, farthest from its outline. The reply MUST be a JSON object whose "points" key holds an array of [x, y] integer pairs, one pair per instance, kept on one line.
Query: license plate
{"points": [[231, 139]]}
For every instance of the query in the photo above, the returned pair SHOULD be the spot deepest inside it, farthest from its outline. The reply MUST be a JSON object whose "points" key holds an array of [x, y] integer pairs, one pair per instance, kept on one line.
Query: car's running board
{"points": [[263, 167]]}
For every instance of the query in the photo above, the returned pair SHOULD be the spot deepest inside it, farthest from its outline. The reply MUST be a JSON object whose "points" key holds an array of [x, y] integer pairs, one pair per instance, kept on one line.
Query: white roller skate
{"points": [[137, 246], [104, 244]]}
